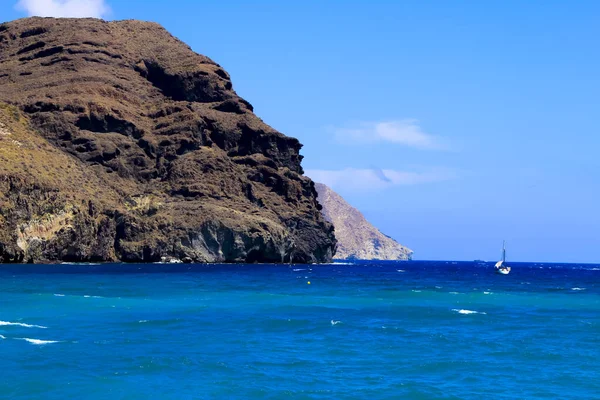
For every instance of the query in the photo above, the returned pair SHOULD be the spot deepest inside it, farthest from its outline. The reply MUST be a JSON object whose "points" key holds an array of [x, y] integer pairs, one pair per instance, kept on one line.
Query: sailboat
{"points": [[501, 267]]}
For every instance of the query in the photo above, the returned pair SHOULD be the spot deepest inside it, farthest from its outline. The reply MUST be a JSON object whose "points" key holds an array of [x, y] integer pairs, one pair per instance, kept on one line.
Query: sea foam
{"points": [[462, 311], [7, 323], [38, 342]]}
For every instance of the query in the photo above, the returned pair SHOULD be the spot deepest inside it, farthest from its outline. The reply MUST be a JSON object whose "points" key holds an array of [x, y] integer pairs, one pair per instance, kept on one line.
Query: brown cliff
{"points": [[118, 142]]}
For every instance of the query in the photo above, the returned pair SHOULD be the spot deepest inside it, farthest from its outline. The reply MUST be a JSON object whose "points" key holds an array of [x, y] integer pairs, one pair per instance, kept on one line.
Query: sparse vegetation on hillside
{"points": [[117, 142]]}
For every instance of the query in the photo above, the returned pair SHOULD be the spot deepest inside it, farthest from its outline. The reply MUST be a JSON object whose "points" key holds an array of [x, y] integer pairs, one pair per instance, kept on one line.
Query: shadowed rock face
{"points": [[121, 143], [357, 238]]}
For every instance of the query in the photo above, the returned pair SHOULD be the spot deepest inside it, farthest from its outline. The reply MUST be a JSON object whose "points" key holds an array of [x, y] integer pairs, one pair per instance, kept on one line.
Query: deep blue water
{"points": [[410, 330]]}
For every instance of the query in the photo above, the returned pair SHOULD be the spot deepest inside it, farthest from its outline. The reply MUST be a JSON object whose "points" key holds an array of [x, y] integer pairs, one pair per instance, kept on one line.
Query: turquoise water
{"points": [[410, 330]]}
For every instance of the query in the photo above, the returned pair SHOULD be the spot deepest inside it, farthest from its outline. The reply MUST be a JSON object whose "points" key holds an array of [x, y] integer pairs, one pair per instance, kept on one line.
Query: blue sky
{"points": [[450, 125]]}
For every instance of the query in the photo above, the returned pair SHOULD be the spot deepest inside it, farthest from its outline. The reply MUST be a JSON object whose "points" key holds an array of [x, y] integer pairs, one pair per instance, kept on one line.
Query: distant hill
{"points": [[357, 238]]}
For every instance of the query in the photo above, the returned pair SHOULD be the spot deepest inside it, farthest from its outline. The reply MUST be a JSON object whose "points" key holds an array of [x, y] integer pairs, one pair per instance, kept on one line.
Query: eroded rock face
{"points": [[159, 157], [357, 238]]}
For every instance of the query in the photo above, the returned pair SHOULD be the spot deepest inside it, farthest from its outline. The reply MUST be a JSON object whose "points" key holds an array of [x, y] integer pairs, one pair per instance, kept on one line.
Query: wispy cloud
{"points": [[64, 8], [405, 132], [375, 179]]}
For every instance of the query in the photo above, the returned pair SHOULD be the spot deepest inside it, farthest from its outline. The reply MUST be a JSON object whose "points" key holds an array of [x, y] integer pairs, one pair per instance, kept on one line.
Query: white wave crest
{"points": [[416, 291], [400, 270], [2, 337], [462, 311], [577, 288], [7, 323], [335, 322], [38, 342], [59, 295], [487, 292], [79, 263], [299, 269]]}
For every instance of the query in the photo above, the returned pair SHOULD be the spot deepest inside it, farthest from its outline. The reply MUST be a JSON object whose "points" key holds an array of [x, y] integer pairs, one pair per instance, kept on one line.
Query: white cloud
{"points": [[406, 132], [64, 8], [376, 179]]}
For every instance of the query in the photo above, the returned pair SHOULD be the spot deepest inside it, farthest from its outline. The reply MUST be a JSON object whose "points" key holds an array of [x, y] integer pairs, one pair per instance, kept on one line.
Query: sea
{"points": [[356, 330]]}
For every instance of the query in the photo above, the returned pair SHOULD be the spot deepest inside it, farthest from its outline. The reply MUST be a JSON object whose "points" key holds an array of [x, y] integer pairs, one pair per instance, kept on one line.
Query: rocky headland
{"points": [[119, 143], [357, 238]]}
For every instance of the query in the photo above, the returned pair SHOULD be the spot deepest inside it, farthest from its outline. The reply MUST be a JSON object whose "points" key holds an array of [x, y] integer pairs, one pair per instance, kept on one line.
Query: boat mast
{"points": [[503, 251]]}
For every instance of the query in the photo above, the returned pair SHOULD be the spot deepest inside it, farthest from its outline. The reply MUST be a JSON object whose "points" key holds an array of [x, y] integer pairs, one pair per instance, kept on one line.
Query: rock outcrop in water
{"points": [[118, 142], [357, 238]]}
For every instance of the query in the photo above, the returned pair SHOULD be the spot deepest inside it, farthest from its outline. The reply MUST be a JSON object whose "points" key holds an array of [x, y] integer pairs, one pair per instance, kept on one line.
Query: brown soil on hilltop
{"points": [[118, 142]]}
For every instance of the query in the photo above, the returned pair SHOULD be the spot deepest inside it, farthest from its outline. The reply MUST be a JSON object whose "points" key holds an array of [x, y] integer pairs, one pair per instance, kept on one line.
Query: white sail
{"points": [[501, 266]]}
